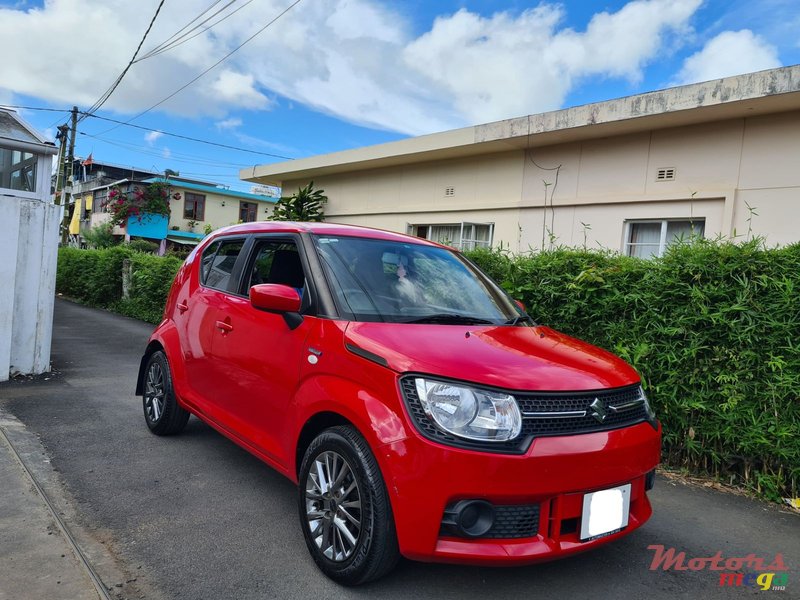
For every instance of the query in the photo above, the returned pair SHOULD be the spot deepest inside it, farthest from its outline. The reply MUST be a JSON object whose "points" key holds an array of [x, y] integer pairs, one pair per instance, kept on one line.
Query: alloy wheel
{"points": [[333, 506], [154, 393]]}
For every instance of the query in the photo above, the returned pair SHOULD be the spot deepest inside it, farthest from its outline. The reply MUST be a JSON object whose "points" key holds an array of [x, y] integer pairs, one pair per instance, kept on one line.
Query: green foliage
{"points": [[151, 278], [713, 327], [94, 277], [140, 245], [101, 236], [91, 276], [304, 205]]}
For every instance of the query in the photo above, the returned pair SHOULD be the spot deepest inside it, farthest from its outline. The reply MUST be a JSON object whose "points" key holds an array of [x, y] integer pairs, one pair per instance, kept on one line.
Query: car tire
{"points": [[162, 413], [347, 523]]}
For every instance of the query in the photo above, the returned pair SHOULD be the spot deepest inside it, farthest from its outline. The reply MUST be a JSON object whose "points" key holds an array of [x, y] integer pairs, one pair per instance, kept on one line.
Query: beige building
{"points": [[714, 158]]}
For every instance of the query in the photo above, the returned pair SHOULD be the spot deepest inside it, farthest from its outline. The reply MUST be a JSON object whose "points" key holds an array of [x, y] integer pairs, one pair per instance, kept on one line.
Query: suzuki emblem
{"points": [[598, 412]]}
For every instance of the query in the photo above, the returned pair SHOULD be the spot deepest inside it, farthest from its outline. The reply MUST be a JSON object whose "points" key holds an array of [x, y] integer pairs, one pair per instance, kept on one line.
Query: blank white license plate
{"points": [[605, 512]]}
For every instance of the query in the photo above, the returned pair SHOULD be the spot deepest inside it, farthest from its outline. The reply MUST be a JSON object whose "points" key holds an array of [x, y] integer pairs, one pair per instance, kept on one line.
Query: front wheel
{"points": [[344, 508], [161, 410]]}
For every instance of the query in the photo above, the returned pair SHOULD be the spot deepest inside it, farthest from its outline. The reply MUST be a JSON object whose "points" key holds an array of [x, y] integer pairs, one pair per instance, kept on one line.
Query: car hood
{"points": [[520, 358]]}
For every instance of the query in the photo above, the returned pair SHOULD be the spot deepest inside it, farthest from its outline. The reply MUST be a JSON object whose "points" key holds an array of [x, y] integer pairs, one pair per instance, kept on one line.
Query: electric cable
{"points": [[221, 60], [102, 100]]}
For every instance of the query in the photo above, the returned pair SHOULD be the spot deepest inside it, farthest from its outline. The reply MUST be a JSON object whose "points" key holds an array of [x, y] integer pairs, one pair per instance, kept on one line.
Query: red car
{"points": [[419, 409]]}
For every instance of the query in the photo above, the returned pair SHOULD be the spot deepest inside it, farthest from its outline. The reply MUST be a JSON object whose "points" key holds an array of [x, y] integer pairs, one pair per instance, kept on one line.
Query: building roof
{"points": [[764, 92], [17, 133], [210, 189]]}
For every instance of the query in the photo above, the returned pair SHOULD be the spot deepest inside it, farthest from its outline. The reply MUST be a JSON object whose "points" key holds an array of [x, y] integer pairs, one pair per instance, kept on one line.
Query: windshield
{"points": [[397, 282]]}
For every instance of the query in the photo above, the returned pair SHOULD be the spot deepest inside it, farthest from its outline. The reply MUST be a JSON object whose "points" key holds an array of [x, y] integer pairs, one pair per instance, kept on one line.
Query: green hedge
{"points": [[714, 330], [94, 277]]}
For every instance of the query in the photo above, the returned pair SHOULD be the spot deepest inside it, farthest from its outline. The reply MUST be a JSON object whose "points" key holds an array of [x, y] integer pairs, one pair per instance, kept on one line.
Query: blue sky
{"points": [[337, 74]]}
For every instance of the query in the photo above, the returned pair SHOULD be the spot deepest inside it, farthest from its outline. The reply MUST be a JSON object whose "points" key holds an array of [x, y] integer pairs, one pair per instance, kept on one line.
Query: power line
{"points": [[183, 137], [175, 135], [102, 100], [177, 156], [173, 36], [174, 43], [66, 110], [180, 89]]}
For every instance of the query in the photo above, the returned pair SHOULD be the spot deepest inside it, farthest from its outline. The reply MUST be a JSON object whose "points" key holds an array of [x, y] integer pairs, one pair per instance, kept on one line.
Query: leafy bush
{"points": [[140, 245], [151, 278], [306, 204], [712, 327], [94, 277], [91, 276], [101, 236]]}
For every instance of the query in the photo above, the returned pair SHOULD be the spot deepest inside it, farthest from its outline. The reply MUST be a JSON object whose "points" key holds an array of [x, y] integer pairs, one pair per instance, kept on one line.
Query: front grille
{"points": [[541, 425], [510, 522]]}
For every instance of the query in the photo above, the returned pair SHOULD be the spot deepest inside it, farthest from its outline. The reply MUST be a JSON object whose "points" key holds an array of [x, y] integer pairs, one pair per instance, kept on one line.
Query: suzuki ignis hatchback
{"points": [[419, 409]]}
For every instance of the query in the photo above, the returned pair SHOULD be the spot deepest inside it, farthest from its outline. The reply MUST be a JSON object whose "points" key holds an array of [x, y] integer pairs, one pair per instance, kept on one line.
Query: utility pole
{"points": [[68, 175], [62, 156]]}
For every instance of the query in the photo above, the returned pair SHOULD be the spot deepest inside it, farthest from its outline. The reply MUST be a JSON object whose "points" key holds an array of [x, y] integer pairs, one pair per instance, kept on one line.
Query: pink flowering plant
{"points": [[153, 198]]}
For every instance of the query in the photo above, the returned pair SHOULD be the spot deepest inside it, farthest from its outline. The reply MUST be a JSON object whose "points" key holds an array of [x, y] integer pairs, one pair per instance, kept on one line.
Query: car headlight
{"points": [[651, 414], [468, 412]]}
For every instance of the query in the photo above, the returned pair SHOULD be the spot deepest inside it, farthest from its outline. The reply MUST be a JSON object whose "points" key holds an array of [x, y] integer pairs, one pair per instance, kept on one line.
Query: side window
{"points": [[277, 262], [217, 263]]}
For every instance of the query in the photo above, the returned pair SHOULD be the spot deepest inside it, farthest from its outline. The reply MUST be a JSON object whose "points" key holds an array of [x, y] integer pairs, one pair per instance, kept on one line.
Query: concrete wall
{"points": [[216, 214], [29, 249], [720, 168]]}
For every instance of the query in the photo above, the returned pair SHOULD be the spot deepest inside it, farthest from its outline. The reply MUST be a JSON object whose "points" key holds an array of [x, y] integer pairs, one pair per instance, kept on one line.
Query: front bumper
{"points": [[425, 477]]}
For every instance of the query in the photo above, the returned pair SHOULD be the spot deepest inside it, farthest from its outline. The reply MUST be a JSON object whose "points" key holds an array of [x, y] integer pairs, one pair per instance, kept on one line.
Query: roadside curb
{"points": [[49, 555], [40, 533]]}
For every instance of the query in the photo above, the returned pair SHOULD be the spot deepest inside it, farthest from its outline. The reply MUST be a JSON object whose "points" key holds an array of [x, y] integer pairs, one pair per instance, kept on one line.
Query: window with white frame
{"points": [[646, 239], [465, 236]]}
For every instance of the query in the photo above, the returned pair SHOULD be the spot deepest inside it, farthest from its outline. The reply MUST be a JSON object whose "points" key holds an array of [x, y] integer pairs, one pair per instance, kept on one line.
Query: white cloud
{"points": [[729, 53], [500, 67], [231, 123], [151, 137], [166, 152], [237, 89], [355, 59]]}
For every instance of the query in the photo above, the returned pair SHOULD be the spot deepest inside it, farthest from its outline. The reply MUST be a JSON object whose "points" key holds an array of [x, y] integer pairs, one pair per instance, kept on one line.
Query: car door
{"points": [[196, 315], [258, 357]]}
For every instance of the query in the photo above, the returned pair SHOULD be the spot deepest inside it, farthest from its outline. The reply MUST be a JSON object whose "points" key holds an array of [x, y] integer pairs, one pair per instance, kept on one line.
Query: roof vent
{"points": [[665, 174], [450, 191]]}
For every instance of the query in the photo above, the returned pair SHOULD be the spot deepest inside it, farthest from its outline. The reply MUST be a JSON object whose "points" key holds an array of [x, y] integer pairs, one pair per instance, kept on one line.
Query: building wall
{"points": [[216, 214], [592, 188]]}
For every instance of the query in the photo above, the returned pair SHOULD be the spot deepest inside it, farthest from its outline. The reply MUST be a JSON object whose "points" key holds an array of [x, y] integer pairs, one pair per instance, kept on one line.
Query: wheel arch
{"points": [[152, 347], [315, 425]]}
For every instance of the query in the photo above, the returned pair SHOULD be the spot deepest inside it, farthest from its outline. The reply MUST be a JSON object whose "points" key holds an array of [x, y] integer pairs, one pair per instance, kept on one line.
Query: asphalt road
{"points": [[196, 517]]}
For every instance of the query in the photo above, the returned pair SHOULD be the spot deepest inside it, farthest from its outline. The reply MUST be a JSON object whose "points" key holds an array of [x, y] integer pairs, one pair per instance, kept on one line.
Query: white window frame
{"points": [[662, 243], [410, 227]]}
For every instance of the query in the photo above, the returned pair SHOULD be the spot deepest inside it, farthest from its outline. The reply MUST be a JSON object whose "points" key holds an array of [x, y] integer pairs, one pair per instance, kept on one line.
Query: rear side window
{"points": [[217, 263]]}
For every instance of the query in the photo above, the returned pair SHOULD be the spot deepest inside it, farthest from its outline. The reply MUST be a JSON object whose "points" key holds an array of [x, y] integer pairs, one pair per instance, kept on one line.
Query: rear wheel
{"points": [[161, 411], [344, 508]]}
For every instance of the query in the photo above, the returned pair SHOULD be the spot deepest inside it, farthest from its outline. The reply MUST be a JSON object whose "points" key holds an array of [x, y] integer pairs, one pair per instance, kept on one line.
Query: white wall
{"points": [[29, 247]]}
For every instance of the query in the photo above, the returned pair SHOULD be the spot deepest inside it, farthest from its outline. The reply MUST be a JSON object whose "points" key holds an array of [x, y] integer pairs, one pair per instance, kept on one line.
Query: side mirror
{"points": [[276, 298], [521, 305]]}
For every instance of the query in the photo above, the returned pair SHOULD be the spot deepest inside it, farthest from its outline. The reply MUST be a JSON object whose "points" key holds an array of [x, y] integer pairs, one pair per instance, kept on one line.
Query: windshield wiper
{"points": [[450, 318], [519, 319]]}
